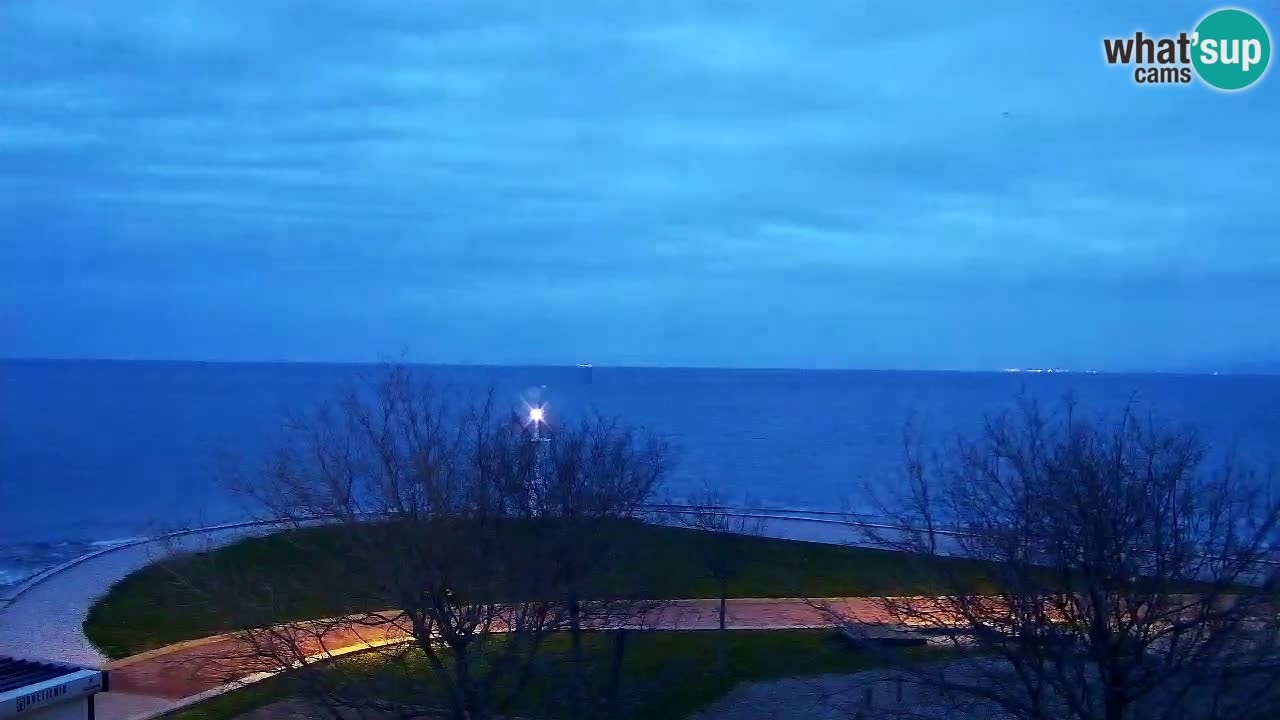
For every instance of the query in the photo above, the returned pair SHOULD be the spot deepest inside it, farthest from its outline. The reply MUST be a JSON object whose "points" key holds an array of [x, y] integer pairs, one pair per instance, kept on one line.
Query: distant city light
{"points": [[535, 414]]}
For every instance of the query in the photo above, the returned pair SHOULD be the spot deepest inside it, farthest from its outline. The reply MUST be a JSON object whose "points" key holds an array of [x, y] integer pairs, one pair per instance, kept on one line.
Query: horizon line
{"points": [[1029, 370]]}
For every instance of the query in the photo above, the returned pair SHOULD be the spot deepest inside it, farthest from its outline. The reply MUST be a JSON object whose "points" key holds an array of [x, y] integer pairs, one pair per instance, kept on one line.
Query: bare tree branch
{"points": [[452, 548], [1122, 577]]}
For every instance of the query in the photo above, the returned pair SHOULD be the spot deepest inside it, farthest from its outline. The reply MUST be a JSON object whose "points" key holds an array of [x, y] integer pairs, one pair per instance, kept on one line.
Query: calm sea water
{"points": [[98, 452]]}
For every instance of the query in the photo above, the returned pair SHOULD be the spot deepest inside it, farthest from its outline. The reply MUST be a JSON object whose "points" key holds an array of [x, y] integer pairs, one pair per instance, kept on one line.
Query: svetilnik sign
{"points": [[1229, 49], [38, 690]]}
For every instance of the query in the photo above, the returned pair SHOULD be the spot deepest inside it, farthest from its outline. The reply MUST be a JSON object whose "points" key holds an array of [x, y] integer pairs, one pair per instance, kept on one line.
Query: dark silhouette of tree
{"points": [[726, 550], [1127, 577], [452, 549]]}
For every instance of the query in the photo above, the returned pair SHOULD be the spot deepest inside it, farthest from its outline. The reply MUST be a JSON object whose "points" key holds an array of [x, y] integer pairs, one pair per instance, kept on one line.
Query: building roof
{"points": [[15, 673]]}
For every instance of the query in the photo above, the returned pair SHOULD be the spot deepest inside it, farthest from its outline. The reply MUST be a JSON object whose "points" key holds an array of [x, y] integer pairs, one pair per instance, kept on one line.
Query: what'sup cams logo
{"points": [[1229, 50]]}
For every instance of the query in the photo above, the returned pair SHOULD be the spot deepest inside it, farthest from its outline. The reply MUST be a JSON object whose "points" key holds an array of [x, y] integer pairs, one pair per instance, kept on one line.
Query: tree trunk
{"points": [[722, 651], [579, 686], [1114, 710], [472, 704], [1113, 702], [615, 671]]}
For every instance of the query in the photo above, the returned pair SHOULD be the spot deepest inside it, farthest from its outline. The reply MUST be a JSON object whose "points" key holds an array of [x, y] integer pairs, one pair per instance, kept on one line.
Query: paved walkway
{"points": [[43, 619], [878, 694], [178, 674]]}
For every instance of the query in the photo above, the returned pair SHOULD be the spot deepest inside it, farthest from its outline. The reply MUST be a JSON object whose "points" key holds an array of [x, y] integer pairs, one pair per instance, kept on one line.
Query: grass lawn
{"points": [[150, 608], [665, 675], [237, 702]]}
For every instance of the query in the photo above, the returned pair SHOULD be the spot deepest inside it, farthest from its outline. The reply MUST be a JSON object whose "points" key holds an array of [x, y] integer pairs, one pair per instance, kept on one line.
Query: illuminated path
{"points": [[186, 673]]}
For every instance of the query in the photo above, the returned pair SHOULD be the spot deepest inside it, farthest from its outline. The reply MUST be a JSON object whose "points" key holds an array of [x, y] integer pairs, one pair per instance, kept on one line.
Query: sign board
{"points": [[65, 688]]}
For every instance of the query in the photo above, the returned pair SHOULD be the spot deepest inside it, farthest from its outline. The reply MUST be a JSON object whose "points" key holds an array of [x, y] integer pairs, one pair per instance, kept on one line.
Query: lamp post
{"points": [[541, 446], [537, 416]]}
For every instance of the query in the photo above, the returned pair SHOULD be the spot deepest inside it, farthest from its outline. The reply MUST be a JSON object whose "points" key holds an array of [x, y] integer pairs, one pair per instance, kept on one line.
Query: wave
{"points": [[11, 576], [117, 541], [22, 561]]}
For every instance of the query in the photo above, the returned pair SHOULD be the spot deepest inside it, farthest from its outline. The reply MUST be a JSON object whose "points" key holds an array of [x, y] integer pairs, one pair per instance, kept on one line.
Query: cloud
{"points": [[659, 165]]}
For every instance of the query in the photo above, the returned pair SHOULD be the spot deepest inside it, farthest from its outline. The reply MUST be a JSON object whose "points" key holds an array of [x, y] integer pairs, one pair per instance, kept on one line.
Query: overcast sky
{"points": [[802, 184]]}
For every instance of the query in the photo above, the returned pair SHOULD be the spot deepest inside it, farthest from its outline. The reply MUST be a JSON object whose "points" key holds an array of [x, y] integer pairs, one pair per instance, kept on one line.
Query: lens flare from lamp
{"points": [[536, 415]]}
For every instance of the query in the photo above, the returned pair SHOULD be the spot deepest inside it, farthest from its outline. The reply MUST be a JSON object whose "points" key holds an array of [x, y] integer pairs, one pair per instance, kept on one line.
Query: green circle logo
{"points": [[1232, 49]]}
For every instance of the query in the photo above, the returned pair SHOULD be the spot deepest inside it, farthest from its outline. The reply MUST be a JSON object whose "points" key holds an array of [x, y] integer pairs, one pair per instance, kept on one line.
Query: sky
{"points": [[929, 185]]}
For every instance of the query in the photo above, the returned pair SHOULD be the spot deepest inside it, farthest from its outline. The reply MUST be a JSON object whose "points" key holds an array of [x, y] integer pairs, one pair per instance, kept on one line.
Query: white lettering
{"points": [[1209, 50], [39, 696], [1252, 54]]}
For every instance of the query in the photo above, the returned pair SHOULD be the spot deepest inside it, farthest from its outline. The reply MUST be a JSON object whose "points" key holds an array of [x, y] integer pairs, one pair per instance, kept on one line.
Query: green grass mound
{"points": [[160, 605]]}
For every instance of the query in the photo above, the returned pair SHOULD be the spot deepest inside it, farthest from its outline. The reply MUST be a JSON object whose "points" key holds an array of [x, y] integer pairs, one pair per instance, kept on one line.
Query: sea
{"points": [[97, 453]]}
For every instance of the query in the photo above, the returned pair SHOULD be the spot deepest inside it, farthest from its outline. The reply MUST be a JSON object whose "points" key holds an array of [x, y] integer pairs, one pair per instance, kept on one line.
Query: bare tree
{"points": [[1124, 578], [726, 550], [438, 539], [588, 480]]}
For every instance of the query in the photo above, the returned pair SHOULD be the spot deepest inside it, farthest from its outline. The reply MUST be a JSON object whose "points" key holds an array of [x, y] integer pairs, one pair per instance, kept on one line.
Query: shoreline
{"points": [[11, 592], [45, 613]]}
